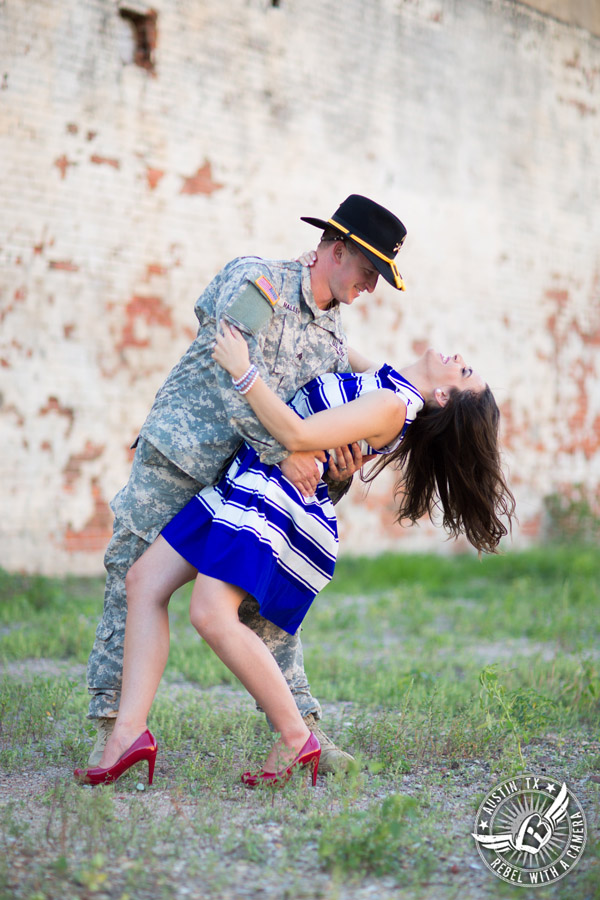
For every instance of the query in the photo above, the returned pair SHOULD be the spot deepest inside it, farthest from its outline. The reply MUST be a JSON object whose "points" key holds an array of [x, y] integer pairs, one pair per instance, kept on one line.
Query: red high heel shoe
{"points": [[308, 756], [144, 747]]}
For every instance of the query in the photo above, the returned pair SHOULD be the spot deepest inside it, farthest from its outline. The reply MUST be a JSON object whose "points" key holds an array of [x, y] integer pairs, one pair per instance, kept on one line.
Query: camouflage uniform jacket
{"points": [[198, 418]]}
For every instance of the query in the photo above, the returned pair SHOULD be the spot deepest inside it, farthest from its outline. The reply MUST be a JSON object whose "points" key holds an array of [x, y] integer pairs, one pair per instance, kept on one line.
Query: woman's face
{"points": [[452, 372]]}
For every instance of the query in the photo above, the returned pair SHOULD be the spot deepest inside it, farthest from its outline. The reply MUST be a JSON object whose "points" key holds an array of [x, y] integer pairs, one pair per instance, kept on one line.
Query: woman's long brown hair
{"points": [[449, 461]]}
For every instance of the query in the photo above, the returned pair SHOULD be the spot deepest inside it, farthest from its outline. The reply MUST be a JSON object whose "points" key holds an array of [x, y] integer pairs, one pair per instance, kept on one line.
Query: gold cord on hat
{"points": [[391, 263]]}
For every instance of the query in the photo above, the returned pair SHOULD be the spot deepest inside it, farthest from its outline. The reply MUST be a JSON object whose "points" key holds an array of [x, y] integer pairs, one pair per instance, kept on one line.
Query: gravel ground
{"points": [[459, 873]]}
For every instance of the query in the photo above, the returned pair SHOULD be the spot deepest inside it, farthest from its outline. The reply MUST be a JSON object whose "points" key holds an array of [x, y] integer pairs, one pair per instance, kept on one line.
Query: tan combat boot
{"points": [[104, 729], [332, 758]]}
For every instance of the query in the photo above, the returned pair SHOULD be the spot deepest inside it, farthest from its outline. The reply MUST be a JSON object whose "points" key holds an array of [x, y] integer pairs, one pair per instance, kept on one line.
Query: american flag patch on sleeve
{"points": [[266, 288]]}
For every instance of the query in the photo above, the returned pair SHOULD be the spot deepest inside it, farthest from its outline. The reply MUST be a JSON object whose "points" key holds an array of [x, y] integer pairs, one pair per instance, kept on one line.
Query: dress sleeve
{"points": [[414, 403]]}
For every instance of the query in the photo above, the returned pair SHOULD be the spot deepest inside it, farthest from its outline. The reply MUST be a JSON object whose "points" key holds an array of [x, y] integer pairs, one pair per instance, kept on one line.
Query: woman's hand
{"points": [[231, 350], [345, 461], [308, 258]]}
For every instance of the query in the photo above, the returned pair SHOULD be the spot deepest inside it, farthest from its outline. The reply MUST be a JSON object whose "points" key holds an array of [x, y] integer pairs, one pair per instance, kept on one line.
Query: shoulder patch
{"points": [[251, 309], [265, 286]]}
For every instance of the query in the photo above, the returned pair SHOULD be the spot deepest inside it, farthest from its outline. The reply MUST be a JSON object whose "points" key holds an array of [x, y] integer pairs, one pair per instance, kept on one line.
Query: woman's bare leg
{"points": [[150, 583], [214, 614]]}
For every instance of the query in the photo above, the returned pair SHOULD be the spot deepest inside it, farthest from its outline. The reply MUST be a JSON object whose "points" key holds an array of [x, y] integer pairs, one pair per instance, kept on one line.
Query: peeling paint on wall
{"points": [[95, 534], [201, 182], [149, 310]]}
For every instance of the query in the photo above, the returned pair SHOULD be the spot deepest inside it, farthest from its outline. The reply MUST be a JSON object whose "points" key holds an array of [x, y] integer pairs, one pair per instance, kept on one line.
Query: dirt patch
{"points": [[245, 851]]}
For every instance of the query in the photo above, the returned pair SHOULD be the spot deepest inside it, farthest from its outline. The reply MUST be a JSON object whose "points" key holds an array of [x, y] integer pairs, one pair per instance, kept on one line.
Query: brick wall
{"points": [[126, 187]]}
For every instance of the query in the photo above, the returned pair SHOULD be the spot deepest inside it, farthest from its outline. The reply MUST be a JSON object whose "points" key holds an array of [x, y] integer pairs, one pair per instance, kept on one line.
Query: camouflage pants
{"points": [[155, 492]]}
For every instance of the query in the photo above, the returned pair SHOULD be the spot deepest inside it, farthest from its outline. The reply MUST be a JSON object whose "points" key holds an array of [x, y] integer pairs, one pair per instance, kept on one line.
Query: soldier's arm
{"points": [[358, 362]]}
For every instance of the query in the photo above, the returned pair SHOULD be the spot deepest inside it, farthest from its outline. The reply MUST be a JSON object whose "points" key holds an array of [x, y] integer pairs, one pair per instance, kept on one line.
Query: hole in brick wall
{"points": [[142, 22]]}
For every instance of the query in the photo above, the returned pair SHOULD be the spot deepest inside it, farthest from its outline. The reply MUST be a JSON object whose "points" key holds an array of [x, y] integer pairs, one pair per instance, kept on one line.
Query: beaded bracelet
{"points": [[246, 388], [241, 387], [237, 381], [247, 380]]}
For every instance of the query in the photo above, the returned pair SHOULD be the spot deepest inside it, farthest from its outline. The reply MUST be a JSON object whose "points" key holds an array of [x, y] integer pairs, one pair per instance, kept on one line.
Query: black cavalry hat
{"points": [[375, 230]]}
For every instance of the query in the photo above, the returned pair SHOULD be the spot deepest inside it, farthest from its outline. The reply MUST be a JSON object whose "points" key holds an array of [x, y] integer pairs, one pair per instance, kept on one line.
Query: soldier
{"points": [[290, 316]]}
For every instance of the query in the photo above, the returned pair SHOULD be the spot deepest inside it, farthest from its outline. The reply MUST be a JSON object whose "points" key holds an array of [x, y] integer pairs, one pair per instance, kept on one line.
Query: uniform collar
{"points": [[331, 313]]}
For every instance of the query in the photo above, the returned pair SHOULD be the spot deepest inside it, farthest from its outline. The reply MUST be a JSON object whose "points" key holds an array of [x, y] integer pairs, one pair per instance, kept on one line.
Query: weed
{"points": [[582, 689], [379, 840], [573, 515], [29, 713], [521, 712], [248, 844]]}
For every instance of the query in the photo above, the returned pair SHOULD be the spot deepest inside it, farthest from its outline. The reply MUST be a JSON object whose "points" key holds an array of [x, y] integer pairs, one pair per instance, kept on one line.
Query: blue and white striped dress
{"points": [[254, 529]]}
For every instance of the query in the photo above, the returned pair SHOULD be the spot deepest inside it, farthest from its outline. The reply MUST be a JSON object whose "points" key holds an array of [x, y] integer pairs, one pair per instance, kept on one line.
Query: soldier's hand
{"points": [[302, 470]]}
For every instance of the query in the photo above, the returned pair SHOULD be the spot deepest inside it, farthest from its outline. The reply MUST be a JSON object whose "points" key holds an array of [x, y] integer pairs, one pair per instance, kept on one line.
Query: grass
{"points": [[441, 675]]}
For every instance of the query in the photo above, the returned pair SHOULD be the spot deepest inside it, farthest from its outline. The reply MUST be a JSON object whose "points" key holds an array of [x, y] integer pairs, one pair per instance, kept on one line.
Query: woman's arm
{"points": [[377, 417]]}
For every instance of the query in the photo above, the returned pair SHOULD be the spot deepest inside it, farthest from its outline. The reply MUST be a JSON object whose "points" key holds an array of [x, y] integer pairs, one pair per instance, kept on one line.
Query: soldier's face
{"points": [[353, 274]]}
